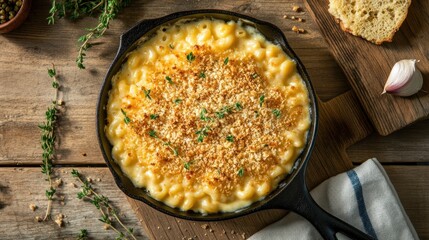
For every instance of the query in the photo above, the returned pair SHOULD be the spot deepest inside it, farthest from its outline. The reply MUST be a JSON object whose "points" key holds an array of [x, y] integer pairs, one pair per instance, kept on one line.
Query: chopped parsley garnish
{"points": [[202, 75], [220, 115], [261, 100], [277, 113], [190, 57], [254, 75], [230, 138], [147, 94], [203, 132], [177, 101], [175, 151], [240, 172], [238, 106], [154, 116], [126, 118], [171, 46], [226, 61], [152, 133], [168, 78], [223, 111], [203, 115], [256, 114], [187, 165]]}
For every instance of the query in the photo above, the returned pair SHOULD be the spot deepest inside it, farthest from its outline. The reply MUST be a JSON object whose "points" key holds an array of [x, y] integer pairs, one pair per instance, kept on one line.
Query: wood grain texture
{"points": [[20, 187], [336, 133], [413, 142], [367, 65], [412, 186]]}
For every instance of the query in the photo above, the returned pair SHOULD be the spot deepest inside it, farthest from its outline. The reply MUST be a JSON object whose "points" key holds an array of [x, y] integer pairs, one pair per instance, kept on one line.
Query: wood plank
{"points": [[342, 123], [20, 187], [367, 65], [408, 145], [30, 50], [412, 186]]}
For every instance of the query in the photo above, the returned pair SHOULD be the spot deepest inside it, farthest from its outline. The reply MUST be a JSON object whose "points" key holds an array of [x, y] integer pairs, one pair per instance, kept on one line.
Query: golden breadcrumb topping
{"points": [[214, 120]]}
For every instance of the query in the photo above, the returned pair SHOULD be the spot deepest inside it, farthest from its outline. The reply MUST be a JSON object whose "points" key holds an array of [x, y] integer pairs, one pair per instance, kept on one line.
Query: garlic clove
{"points": [[404, 79]]}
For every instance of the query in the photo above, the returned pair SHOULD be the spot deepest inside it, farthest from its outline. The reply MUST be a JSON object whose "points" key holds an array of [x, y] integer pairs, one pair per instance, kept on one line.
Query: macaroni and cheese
{"points": [[207, 115]]}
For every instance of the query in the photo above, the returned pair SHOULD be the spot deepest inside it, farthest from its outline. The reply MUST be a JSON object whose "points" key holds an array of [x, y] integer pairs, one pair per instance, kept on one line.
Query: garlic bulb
{"points": [[404, 79]]}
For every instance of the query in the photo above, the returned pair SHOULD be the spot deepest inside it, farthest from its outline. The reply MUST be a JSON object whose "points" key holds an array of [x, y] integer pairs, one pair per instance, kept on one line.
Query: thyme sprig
{"points": [[108, 213], [83, 235], [107, 10], [48, 140]]}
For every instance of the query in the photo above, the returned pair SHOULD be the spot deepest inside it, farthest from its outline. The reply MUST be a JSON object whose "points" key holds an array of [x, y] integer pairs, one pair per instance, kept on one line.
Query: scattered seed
{"points": [[296, 8], [33, 207]]}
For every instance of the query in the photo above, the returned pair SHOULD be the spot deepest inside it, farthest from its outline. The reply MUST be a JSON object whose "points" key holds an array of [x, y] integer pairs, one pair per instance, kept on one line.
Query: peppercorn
{"points": [[9, 9]]}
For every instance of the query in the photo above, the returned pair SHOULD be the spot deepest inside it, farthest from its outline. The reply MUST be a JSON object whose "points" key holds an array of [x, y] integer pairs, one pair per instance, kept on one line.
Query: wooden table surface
{"points": [[25, 93]]}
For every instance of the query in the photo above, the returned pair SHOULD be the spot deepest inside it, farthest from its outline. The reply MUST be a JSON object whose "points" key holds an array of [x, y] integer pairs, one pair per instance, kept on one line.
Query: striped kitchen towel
{"points": [[363, 197]]}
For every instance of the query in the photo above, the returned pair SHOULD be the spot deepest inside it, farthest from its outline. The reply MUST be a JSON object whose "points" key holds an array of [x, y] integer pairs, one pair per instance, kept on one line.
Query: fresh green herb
{"points": [[187, 165], [168, 78], [203, 115], [48, 139], [52, 72], [230, 138], [126, 118], [223, 111], [50, 193], [277, 113], [107, 10], [261, 100], [147, 94], [102, 203], [154, 116], [202, 133], [220, 115], [152, 133], [240, 172], [171, 46], [83, 235], [177, 101], [238, 106], [190, 57], [202, 75], [226, 61], [254, 75]]}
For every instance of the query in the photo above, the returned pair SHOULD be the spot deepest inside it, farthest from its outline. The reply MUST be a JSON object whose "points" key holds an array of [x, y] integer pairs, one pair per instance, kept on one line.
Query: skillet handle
{"points": [[327, 224], [303, 204]]}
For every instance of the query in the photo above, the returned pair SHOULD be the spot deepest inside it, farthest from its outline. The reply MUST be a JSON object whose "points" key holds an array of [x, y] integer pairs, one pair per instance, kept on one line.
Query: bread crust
{"points": [[376, 41]]}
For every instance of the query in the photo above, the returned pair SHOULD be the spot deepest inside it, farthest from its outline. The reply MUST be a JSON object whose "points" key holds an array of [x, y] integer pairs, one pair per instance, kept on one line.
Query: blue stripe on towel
{"points": [[361, 203]]}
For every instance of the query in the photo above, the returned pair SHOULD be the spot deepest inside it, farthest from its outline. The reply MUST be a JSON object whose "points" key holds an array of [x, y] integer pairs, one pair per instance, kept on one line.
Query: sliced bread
{"points": [[374, 20]]}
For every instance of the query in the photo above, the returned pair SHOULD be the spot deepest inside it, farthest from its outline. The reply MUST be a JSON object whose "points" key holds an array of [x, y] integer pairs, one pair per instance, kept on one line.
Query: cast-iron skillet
{"points": [[291, 194]]}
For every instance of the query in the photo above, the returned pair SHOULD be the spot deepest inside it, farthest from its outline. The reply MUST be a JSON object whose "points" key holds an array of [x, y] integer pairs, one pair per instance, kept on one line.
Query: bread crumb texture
{"points": [[374, 20]]}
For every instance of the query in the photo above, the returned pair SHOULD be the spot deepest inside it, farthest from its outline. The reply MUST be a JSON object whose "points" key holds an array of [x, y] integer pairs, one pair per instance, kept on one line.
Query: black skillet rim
{"points": [[300, 162]]}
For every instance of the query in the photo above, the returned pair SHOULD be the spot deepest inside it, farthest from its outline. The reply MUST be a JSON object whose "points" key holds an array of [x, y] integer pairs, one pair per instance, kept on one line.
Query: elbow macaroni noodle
{"points": [[232, 88]]}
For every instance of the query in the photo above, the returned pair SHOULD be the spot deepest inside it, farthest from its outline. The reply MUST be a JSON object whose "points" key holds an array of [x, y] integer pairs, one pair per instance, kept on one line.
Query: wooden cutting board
{"points": [[342, 123], [367, 65]]}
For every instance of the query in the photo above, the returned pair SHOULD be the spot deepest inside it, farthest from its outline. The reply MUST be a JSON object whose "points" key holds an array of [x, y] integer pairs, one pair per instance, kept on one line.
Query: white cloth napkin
{"points": [[363, 197]]}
